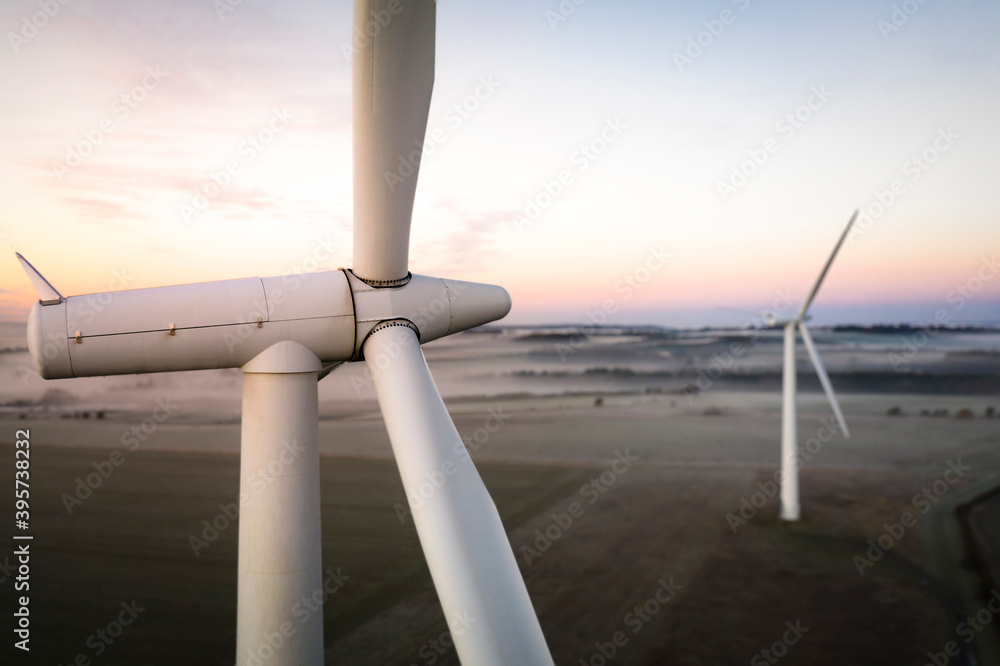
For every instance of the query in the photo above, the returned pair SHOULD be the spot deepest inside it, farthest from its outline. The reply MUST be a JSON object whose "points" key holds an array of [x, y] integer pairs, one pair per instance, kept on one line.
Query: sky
{"points": [[618, 162]]}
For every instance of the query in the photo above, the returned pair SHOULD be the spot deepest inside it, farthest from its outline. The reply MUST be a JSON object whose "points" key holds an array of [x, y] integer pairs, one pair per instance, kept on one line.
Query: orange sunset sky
{"points": [[115, 115]]}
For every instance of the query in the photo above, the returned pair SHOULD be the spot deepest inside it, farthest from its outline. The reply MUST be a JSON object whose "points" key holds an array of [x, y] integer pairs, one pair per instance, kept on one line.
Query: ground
{"points": [[663, 521], [680, 559]]}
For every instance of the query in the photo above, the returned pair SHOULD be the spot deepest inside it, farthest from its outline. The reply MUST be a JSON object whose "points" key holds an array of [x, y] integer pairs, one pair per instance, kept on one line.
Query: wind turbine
{"points": [[790, 509], [286, 333]]}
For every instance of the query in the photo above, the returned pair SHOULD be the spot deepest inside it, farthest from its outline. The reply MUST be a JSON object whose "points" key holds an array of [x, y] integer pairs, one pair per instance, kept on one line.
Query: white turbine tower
{"points": [[790, 509], [286, 333]]}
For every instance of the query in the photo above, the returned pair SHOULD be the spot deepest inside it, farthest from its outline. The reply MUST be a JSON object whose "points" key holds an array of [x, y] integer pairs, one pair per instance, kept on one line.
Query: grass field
{"points": [[130, 541], [595, 582], [657, 523]]}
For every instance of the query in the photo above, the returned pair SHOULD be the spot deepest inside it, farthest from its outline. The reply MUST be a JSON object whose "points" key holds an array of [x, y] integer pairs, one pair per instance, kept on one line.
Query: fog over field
{"points": [[570, 360]]}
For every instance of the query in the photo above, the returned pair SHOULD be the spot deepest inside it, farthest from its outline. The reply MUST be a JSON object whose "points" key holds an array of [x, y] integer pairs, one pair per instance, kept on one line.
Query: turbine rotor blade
{"points": [[393, 73], [464, 542], [826, 268], [824, 379]]}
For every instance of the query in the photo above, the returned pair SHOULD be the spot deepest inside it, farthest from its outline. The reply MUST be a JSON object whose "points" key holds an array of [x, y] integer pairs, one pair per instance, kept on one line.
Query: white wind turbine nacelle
{"points": [[226, 324], [287, 332]]}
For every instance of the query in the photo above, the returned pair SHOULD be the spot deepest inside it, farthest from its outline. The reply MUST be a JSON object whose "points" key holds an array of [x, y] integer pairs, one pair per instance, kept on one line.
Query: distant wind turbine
{"points": [[285, 338], [790, 509]]}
